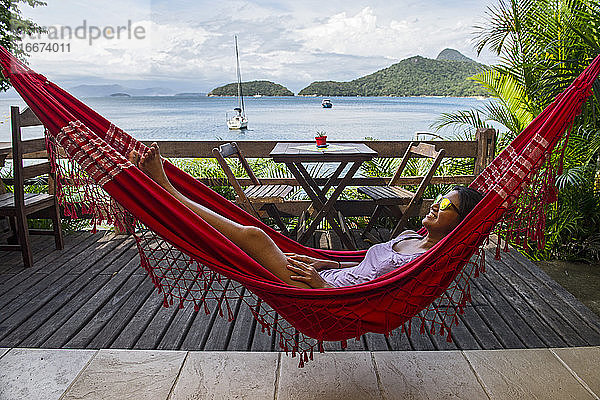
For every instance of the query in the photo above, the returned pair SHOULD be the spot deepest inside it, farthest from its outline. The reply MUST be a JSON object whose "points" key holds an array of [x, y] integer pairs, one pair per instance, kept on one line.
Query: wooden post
{"points": [[486, 148]]}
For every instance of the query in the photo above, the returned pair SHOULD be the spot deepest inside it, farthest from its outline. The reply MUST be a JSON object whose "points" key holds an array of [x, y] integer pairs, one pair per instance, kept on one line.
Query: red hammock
{"points": [[188, 259]]}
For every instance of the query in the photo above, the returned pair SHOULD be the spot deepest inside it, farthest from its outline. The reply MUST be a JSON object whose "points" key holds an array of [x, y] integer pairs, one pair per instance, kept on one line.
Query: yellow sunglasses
{"points": [[445, 203]]}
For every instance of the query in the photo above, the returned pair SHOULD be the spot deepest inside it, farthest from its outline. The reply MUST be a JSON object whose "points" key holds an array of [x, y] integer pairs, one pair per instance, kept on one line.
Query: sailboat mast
{"points": [[239, 76]]}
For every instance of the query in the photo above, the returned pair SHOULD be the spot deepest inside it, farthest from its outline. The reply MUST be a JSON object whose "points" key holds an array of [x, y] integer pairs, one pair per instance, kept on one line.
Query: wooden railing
{"points": [[482, 150]]}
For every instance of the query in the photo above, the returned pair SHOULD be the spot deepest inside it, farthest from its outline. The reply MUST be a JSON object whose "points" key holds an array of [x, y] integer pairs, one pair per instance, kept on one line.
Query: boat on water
{"points": [[239, 120], [326, 103], [257, 95]]}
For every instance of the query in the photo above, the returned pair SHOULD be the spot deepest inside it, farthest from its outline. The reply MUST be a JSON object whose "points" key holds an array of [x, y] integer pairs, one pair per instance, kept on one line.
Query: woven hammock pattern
{"points": [[191, 262]]}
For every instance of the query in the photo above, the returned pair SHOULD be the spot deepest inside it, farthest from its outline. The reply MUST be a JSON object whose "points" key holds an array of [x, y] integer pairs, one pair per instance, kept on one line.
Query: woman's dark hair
{"points": [[468, 199]]}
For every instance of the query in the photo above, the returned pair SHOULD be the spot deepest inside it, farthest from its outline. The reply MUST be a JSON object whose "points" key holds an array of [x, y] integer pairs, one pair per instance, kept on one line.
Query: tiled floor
{"points": [[556, 373]]}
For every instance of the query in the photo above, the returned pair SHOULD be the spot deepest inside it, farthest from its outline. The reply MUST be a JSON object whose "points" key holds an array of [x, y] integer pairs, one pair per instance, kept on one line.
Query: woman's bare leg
{"points": [[252, 240]]}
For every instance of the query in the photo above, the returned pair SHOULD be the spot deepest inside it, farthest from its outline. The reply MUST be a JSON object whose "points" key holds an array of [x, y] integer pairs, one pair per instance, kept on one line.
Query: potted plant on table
{"points": [[321, 139]]}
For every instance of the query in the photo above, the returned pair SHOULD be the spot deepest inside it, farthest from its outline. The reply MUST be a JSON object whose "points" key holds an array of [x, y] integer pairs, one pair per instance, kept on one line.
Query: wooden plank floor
{"points": [[94, 295]]}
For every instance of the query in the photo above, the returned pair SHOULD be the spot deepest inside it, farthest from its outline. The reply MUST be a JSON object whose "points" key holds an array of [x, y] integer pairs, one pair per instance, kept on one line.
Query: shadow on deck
{"points": [[94, 295]]}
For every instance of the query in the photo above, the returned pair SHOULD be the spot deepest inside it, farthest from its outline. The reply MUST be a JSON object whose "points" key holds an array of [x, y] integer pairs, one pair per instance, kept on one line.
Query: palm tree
{"points": [[543, 45]]}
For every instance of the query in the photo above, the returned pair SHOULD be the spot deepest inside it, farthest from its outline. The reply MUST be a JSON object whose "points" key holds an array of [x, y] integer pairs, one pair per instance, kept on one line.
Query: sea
{"points": [[270, 118]]}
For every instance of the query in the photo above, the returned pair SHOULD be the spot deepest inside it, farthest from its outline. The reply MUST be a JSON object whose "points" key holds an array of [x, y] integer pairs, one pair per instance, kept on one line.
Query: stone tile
{"points": [[128, 374], [3, 351], [525, 374], [40, 373], [224, 375], [584, 361], [427, 375], [341, 375]]}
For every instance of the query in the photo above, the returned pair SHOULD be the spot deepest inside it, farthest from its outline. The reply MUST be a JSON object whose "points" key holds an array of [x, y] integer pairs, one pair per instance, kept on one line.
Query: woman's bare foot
{"points": [[134, 158], [151, 164]]}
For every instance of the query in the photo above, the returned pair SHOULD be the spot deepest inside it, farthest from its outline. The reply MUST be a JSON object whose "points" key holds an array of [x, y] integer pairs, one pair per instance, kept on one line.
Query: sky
{"points": [[188, 46]]}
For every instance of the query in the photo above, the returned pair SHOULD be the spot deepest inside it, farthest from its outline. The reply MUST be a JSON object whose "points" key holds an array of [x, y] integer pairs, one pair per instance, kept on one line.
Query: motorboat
{"points": [[326, 103]]}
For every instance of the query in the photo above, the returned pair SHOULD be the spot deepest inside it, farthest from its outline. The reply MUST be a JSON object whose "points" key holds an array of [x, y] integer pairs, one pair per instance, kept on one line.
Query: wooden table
{"points": [[295, 154], [5, 149]]}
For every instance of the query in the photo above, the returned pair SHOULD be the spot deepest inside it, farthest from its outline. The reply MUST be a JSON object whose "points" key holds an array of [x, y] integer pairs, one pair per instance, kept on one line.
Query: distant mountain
{"points": [[414, 76], [107, 90], [453, 55], [191, 94], [265, 88]]}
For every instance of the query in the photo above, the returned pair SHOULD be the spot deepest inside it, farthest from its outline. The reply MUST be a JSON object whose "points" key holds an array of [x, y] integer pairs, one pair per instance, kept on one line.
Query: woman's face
{"points": [[442, 222]]}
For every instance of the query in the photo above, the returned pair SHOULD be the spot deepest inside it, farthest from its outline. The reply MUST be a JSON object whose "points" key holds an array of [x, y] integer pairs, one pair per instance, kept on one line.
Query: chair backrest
{"points": [[23, 148], [416, 150], [228, 150], [423, 150]]}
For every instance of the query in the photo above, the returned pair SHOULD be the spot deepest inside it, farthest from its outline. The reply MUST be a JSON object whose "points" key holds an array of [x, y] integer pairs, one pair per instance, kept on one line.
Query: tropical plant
{"points": [[13, 27], [543, 45]]}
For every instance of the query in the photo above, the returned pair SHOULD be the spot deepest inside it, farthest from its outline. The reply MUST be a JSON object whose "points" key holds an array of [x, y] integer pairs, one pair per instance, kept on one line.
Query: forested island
{"points": [[415, 76], [265, 88]]}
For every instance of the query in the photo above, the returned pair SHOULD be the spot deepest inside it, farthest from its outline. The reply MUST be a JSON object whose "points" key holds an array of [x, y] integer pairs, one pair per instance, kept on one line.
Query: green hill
{"points": [[414, 76], [264, 88]]}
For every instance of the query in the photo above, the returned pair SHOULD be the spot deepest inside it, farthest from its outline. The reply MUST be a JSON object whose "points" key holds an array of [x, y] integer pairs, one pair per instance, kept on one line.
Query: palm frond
{"points": [[471, 119]]}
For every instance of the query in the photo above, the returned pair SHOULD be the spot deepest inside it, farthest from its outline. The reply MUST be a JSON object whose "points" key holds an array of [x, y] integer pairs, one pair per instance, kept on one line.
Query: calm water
{"points": [[270, 118]]}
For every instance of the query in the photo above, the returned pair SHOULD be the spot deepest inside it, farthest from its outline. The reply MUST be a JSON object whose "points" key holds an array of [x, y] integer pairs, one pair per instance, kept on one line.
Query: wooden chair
{"points": [[257, 197], [17, 206], [397, 201]]}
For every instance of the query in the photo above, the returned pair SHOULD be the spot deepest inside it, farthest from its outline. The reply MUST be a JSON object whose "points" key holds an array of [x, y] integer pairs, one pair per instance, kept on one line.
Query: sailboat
{"points": [[238, 121]]}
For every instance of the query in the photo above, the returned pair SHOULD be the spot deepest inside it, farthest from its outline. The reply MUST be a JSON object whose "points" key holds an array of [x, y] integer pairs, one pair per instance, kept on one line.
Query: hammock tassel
{"points": [[482, 261], [295, 348], [344, 344], [497, 256], [321, 348]]}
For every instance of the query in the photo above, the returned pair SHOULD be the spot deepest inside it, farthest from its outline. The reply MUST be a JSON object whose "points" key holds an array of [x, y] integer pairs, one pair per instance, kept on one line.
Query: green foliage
{"points": [[13, 27], [415, 76], [205, 168], [264, 88], [543, 46]]}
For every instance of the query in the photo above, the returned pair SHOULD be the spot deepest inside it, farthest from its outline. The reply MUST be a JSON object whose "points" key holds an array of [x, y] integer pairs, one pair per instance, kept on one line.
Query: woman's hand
{"points": [[317, 263], [306, 273]]}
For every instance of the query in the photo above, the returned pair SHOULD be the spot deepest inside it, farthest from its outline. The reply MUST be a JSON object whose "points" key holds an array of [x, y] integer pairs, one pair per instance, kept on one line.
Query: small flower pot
{"points": [[321, 141]]}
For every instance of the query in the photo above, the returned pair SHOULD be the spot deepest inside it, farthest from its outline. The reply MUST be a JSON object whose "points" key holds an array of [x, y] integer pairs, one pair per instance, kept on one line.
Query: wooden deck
{"points": [[94, 295]]}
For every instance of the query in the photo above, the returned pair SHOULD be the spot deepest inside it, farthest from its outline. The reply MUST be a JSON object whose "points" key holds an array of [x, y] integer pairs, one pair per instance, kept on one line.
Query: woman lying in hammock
{"points": [[308, 272]]}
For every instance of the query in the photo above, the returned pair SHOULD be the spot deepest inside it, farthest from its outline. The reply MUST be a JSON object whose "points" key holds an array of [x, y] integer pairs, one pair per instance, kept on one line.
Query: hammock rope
{"points": [[189, 261]]}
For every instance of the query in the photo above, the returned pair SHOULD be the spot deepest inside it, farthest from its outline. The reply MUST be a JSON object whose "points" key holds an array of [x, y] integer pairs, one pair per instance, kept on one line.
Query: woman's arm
{"points": [[305, 273], [318, 263]]}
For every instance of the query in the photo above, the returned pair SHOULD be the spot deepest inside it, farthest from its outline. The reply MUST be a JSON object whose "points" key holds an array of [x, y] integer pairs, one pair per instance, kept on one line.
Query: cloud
{"points": [[358, 34], [190, 43], [155, 49], [364, 34]]}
